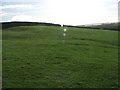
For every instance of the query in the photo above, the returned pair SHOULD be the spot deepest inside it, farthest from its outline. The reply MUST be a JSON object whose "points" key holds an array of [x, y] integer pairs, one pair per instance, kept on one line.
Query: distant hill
{"points": [[104, 26], [108, 26], [14, 24]]}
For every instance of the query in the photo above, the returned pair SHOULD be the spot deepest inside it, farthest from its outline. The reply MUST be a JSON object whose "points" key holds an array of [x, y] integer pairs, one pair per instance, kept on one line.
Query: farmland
{"points": [[36, 57]]}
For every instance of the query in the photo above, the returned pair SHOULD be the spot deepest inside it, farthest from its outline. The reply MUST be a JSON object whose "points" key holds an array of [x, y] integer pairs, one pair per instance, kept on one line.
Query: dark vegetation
{"points": [[104, 26], [14, 24]]}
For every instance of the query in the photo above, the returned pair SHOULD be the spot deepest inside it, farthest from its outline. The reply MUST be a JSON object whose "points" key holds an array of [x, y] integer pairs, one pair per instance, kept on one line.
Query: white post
{"points": [[64, 35]]}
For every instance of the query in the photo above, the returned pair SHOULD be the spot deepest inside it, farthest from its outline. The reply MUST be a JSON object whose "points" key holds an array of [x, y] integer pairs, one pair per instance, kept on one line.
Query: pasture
{"points": [[36, 57]]}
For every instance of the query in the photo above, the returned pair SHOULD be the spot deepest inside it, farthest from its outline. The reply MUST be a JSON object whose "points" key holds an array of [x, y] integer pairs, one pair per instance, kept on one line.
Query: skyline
{"points": [[72, 12]]}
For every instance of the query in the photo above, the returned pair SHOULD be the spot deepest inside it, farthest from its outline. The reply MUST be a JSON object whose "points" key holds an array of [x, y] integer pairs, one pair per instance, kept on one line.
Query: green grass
{"points": [[36, 57], [0, 58]]}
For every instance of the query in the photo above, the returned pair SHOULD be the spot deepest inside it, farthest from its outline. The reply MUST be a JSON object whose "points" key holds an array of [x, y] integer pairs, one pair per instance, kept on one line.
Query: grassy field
{"points": [[0, 58], [36, 57]]}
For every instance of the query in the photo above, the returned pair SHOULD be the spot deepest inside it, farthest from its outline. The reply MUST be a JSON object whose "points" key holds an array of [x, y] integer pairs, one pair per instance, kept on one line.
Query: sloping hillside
{"points": [[105, 26]]}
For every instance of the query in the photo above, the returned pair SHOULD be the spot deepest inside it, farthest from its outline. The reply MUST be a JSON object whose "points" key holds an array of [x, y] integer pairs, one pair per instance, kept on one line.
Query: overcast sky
{"points": [[72, 12]]}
